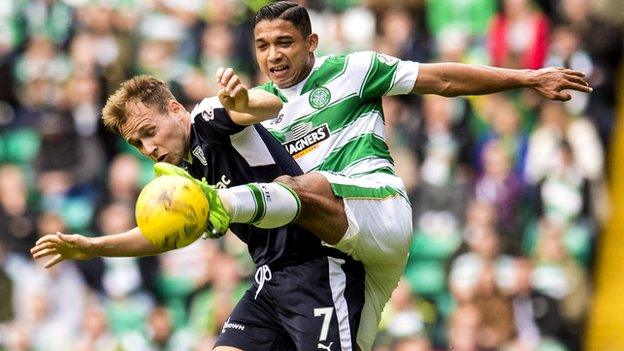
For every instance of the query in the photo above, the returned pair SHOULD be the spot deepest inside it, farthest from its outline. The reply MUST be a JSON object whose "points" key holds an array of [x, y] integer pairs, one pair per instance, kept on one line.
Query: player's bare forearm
{"points": [[78, 247], [454, 79], [128, 244], [262, 106]]}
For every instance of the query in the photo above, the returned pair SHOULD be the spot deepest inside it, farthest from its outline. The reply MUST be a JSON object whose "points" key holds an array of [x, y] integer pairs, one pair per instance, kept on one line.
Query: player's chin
{"points": [[173, 159], [284, 82]]}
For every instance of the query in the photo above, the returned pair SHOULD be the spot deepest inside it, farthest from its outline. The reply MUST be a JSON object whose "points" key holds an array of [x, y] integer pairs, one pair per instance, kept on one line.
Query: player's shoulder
{"points": [[341, 59], [211, 118], [205, 110], [361, 58], [334, 64]]}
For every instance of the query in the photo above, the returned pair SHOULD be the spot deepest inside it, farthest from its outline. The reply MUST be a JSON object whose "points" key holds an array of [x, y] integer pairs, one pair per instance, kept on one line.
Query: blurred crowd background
{"points": [[509, 191]]}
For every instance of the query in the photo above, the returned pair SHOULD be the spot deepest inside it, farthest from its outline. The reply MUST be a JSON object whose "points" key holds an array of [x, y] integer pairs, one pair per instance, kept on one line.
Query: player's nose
{"points": [[150, 149], [275, 54]]}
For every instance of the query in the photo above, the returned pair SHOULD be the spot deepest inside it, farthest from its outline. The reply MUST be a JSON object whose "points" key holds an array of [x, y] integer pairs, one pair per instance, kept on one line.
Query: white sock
{"points": [[265, 205]]}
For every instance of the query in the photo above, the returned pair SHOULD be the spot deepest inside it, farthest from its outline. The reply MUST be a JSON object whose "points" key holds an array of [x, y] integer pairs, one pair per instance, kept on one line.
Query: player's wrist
{"points": [[529, 78], [94, 246]]}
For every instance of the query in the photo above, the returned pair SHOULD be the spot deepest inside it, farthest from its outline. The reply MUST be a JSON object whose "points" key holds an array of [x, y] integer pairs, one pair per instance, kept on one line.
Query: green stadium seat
{"points": [[426, 277], [434, 246], [126, 315], [577, 240], [21, 145], [2, 151], [77, 213]]}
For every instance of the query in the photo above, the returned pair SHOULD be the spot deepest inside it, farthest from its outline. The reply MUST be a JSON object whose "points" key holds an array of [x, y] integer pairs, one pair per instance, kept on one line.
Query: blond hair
{"points": [[144, 89]]}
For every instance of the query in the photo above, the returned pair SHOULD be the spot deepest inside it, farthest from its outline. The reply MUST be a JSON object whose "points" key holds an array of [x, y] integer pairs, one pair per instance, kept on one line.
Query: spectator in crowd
{"points": [[95, 334], [603, 40], [463, 327], [500, 186], [537, 316], [558, 276], [518, 35], [6, 289], [17, 224], [405, 318], [506, 127]]}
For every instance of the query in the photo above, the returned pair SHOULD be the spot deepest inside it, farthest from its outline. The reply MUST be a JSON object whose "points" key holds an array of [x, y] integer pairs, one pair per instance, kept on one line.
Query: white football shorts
{"points": [[379, 235]]}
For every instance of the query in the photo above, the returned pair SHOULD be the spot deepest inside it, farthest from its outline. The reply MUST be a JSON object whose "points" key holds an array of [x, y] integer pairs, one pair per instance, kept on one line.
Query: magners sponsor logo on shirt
{"points": [[303, 138]]}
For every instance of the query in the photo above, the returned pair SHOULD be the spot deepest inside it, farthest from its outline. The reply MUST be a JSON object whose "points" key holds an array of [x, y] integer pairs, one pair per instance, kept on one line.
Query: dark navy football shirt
{"points": [[227, 155]]}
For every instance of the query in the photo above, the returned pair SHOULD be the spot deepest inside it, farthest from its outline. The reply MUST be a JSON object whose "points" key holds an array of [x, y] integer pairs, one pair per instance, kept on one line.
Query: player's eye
{"points": [[148, 132], [262, 47], [135, 143], [285, 44]]}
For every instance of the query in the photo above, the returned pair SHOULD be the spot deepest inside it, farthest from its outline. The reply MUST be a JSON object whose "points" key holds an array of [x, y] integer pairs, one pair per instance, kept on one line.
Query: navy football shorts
{"points": [[313, 305]]}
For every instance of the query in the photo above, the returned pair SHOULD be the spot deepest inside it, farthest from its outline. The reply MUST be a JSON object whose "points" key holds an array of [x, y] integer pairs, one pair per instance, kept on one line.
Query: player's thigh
{"points": [[380, 229], [253, 325], [320, 302], [379, 220]]}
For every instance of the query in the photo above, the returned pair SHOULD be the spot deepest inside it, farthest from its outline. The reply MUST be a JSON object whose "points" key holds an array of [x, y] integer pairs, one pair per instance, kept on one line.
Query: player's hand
{"points": [[233, 94], [550, 82], [62, 247], [218, 219]]}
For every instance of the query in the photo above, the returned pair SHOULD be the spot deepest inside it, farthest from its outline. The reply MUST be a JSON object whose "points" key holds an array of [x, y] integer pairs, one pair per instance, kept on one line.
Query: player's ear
{"points": [[312, 42], [176, 108]]}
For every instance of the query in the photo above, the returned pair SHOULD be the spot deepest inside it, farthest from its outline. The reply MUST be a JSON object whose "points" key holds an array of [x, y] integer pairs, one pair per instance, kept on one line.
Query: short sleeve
{"points": [[385, 74]]}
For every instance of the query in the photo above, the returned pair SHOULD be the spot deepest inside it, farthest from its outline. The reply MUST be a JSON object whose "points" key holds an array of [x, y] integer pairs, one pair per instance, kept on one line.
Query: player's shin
{"points": [[265, 205]]}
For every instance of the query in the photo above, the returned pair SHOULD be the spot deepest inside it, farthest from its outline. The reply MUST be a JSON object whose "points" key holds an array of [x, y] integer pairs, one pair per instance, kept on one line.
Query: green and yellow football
{"points": [[171, 211]]}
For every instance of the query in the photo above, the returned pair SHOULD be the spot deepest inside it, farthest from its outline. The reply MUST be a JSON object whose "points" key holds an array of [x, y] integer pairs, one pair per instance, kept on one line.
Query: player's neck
{"points": [[304, 73]]}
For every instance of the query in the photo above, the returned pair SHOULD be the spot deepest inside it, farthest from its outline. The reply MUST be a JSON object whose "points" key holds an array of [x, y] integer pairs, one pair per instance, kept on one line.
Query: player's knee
{"points": [[289, 181], [297, 184], [307, 185]]}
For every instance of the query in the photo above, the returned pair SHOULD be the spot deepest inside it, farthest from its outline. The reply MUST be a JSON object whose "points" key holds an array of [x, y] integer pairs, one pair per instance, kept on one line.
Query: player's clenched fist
{"points": [[233, 94]]}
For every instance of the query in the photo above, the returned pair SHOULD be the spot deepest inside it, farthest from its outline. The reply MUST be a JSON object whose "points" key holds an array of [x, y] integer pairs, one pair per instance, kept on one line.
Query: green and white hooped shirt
{"points": [[333, 120]]}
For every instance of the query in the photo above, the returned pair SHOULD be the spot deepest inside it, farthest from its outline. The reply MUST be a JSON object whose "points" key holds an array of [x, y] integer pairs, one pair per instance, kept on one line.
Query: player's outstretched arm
{"points": [[245, 107], [453, 79], [62, 247]]}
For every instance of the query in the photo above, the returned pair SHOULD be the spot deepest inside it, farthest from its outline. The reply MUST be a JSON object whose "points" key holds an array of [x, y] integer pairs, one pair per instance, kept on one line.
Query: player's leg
{"points": [[379, 235], [320, 302], [307, 199], [322, 212], [253, 325], [315, 201]]}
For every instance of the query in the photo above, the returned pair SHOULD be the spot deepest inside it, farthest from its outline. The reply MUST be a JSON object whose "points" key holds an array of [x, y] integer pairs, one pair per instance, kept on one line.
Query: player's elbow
{"points": [[448, 89], [438, 79]]}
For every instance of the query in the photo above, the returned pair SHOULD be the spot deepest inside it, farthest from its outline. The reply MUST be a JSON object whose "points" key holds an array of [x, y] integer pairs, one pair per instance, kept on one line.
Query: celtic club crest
{"points": [[319, 97]]}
